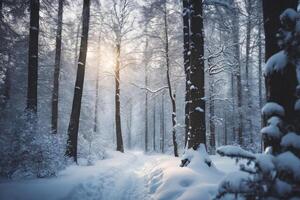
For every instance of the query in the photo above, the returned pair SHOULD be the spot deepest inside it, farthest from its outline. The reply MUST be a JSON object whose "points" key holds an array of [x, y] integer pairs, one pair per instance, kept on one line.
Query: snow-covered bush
{"points": [[30, 152], [274, 174]]}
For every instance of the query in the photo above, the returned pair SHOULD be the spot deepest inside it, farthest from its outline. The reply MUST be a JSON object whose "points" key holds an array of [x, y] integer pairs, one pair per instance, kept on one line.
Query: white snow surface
{"points": [[276, 63], [129, 176]]}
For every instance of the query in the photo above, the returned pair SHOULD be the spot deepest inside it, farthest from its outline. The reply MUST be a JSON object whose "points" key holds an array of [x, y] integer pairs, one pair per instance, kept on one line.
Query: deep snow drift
{"points": [[129, 176]]}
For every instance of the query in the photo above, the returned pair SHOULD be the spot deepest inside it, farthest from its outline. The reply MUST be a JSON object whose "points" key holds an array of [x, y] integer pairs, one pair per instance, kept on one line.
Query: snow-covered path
{"points": [[124, 178], [119, 177], [129, 176]]}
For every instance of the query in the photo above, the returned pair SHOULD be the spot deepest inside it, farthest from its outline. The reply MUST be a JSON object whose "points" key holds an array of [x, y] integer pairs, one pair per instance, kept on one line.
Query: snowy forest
{"points": [[149, 99]]}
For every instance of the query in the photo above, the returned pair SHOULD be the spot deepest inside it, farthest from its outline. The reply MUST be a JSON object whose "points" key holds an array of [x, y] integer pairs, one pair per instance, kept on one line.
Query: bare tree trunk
{"points": [[236, 41], [146, 98], [212, 127], [197, 105], [186, 60], [129, 124], [248, 40], [120, 146], [97, 88], [162, 123], [4, 67], [71, 150], [172, 96], [76, 43], [225, 129], [33, 57], [233, 104], [55, 91], [260, 45], [154, 124]]}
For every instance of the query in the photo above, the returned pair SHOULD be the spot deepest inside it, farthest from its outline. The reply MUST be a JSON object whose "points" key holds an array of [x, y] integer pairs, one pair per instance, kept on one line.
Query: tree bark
{"points": [[154, 124], [72, 140], [236, 41], [172, 96], [260, 45], [146, 97], [120, 146], [197, 105], [55, 91], [186, 61], [33, 57], [97, 88], [249, 7], [130, 124], [162, 123], [212, 127]]}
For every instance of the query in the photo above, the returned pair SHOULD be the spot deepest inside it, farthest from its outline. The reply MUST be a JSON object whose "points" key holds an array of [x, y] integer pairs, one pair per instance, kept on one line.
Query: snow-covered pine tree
{"points": [[275, 173]]}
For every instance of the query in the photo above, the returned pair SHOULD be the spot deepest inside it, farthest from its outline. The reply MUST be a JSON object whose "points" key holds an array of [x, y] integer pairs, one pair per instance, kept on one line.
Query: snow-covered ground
{"points": [[129, 176]]}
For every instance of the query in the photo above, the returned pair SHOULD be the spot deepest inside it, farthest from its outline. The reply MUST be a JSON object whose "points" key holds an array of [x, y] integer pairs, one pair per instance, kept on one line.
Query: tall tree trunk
{"points": [[33, 57], [4, 67], [225, 129], [212, 127], [71, 150], [197, 105], [233, 104], [154, 124], [186, 60], [120, 146], [129, 124], [55, 91], [97, 87], [146, 98], [247, 66], [236, 41], [260, 45], [172, 96], [76, 43], [162, 123]]}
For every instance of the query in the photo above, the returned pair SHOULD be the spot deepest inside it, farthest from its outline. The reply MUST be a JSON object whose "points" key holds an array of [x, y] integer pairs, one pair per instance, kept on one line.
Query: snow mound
{"points": [[197, 159], [197, 180], [271, 109], [276, 63]]}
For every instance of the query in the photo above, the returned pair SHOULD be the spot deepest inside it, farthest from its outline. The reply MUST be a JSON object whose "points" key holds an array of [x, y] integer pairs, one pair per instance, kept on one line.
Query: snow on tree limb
{"points": [[291, 140], [276, 63], [235, 151], [150, 90], [272, 108]]}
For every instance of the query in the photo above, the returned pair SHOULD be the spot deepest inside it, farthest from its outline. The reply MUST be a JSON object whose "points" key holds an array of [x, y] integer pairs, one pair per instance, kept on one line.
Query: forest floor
{"points": [[130, 176]]}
